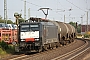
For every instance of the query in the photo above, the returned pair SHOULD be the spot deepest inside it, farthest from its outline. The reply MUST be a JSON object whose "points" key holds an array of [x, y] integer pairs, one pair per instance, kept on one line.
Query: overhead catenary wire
{"points": [[32, 3], [60, 4], [75, 5], [42, 6], [39, 6], [82, 10], [51, 8], [86, 4]]}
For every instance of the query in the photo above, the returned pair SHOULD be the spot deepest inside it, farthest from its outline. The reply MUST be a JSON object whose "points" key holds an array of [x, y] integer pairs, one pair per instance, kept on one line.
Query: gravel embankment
{"points": [[50, 54], [57, 52]]}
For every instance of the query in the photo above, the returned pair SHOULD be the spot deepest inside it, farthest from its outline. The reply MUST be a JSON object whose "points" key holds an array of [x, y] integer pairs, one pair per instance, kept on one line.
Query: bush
{"points": [[3, 45], [87, 36], [7, 48]]}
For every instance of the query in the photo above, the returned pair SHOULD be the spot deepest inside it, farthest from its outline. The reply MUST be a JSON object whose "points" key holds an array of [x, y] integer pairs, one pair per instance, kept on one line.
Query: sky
{"points": [[59, 8]]}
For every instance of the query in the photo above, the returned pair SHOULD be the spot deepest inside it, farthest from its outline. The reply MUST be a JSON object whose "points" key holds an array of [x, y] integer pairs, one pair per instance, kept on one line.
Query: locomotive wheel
{"points": [[39, 49], [27, 52]]}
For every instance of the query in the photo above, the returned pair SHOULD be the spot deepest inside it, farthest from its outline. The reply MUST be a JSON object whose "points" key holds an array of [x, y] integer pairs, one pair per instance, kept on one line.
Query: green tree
{"points": [[9, 22], [73, 24], [0, 17], [21, 20], [78, 26], [1, 21]]}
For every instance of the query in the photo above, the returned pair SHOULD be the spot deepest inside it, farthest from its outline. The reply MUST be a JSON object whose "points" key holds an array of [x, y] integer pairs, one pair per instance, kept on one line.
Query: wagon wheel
{"points": [[45, 48]]}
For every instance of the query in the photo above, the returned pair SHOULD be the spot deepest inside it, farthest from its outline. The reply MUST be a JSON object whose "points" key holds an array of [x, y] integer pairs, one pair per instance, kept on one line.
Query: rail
{"points": [[71, 53]]}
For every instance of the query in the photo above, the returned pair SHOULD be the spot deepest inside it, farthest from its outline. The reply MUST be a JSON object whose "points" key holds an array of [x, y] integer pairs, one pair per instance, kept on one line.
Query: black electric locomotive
{"points": [[37, 36]]}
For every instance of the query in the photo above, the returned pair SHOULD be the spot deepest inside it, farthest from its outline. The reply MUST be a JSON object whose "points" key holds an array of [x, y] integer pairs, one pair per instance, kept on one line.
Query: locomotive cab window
{"points": [[30, 27], [24, 27], [34, 28]]}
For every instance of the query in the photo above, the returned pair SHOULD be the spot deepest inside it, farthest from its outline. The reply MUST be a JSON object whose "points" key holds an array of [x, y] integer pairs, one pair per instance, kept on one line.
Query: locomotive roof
{"points": [[43, 23]]}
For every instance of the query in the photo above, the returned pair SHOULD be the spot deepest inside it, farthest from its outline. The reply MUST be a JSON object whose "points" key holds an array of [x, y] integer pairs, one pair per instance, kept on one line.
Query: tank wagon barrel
{"points": [[64, 29], [70, 28]]}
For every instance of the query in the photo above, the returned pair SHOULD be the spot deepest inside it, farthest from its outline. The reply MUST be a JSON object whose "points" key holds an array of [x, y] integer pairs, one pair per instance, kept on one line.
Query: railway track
{"points": [[74, 53], [84, 54], [64, 52]]}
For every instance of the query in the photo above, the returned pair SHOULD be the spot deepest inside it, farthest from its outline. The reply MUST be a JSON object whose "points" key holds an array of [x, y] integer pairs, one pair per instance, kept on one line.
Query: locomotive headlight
{"points": [[22, 39], [37, 39]]}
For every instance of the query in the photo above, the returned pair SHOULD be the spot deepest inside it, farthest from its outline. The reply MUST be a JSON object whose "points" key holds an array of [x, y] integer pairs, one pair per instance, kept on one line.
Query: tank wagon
{"points": [[66, 32], [42, 34]]}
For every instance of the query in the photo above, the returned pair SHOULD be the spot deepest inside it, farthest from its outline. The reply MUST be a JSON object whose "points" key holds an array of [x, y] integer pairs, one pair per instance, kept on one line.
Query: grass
{"points": [[2, 52], [5, 49]]}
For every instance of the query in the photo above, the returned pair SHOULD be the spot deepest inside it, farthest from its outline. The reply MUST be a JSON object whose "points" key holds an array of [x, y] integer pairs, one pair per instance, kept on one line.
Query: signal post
{"points": [[16, 15]]}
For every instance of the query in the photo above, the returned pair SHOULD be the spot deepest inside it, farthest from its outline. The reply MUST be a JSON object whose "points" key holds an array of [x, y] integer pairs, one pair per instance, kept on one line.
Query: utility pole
{"points": [[87, 21], [29, 13], [5, 11], [25, 9], [76, 27], [21, 11], [64, 18], [81, 23]]}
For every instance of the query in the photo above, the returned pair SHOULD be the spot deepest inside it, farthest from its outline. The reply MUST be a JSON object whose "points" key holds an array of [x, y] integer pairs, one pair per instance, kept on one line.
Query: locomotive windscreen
{"points": [[30, 27], [24, 27], [34, 28], [28, 31]]}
